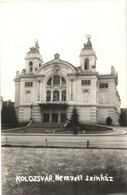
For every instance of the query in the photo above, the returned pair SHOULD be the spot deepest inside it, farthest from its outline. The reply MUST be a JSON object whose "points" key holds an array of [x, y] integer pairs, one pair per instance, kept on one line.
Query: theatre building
{"points": [[47, 92]]}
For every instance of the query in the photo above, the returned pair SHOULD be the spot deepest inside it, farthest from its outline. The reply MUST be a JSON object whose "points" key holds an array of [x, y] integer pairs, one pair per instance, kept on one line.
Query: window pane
{"points": [[103, 85], [63, 95], [56, 96], [86, 64], [28, 84], [106, 85], [49, 81], [85, 82], [56, 80], [30, 68], [63, 81], [30, 63], [48, 98]]}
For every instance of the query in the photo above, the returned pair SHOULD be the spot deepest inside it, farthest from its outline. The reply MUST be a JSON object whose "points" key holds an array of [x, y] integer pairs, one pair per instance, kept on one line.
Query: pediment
{"points": [[56, 67]]}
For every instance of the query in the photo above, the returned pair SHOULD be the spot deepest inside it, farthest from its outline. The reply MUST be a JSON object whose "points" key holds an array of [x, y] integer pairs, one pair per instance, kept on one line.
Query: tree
{"points": [[123, 117], [108, 121], [8, 115], [74, 121]]}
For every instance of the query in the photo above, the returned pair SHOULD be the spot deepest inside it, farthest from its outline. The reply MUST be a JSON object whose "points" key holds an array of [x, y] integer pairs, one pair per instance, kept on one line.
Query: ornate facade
{"points": [[47, 92]]}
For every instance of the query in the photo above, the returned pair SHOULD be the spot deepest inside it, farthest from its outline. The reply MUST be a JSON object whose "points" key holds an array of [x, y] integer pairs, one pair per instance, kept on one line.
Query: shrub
{"points": [[123, 117], [8, 115]]}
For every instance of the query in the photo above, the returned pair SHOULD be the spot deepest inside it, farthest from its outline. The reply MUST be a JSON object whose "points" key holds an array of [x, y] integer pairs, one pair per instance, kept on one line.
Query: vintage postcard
{"points": [[63, 97]]}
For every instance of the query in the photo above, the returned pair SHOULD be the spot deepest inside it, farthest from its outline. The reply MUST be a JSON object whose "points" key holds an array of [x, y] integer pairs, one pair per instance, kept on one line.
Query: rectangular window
{"points": [[28, 84], [103, 85], [85, 82], [46, 117]]}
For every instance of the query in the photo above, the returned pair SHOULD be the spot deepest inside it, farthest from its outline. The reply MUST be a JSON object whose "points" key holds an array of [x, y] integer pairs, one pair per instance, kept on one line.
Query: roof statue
{"points": [[88, 45], [36, 44], [36, 47], [56, 56]]}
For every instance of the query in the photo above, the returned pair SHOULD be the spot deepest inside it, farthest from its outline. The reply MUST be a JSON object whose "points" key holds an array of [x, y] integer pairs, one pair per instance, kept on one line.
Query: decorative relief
{"points": [[71, 77], [56, 56], [40, 77], [56, 68], [85, 96], [28, 96]]}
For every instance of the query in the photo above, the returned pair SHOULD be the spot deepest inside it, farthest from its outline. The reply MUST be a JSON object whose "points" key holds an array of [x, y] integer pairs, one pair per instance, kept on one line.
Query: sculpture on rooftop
{"points": [[36, 44], [88, 45], [36, 47]]}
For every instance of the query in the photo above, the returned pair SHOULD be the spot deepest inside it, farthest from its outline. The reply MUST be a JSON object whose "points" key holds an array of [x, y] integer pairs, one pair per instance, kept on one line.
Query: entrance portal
{"points": [[53, 114], [55, 118]]}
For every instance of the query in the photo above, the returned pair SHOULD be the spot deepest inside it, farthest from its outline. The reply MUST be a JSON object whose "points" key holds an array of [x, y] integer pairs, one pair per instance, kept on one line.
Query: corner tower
{"points": [[33, 59], [87, 56]]}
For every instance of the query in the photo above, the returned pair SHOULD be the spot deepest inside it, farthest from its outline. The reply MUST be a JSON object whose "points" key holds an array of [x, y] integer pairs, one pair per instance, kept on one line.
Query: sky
{"points": [[62, 26]]}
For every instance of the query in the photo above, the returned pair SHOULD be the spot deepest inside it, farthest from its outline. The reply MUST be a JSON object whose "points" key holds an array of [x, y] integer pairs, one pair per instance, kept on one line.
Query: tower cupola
{"points": [[33, 59], [87, 56]]}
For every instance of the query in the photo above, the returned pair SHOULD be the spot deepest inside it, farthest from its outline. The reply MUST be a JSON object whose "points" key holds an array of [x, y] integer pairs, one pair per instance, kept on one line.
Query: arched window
{"points": [[64, 95], [63, 81], [56, 96], [86, 64], [56, 83], [56, 80], [30, 66], [48, 98], [30, 63], [49, 82]]}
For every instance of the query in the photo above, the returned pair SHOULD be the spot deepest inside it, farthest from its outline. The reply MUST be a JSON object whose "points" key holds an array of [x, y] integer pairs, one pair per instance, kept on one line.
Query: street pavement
{"points": [[114, 139]]}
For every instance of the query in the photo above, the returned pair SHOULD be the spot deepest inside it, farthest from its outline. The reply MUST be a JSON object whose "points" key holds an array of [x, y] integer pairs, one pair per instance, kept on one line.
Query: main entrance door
{"points": [[55, 118], [52, 115]]}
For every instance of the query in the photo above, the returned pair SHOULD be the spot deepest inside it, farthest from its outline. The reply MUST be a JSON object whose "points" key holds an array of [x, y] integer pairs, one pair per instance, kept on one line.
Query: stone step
{"points": [[39, 125]]}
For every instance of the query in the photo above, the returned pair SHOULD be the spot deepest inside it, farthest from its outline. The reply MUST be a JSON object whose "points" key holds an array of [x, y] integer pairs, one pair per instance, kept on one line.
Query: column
{"points": [[50, 115], [38, 87], [71, 89], [60, 95], [41, 90], [59, 115], [51, 95], [74, 89], [17, 93]]}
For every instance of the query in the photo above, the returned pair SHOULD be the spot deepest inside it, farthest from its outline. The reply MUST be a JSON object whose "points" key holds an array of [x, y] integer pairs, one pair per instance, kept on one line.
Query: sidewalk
{"points": [[115, 132], [24, 131]]}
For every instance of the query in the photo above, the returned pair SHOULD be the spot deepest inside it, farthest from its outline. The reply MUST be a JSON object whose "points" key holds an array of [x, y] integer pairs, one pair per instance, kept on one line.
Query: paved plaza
{"points": [[110, 139]]}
